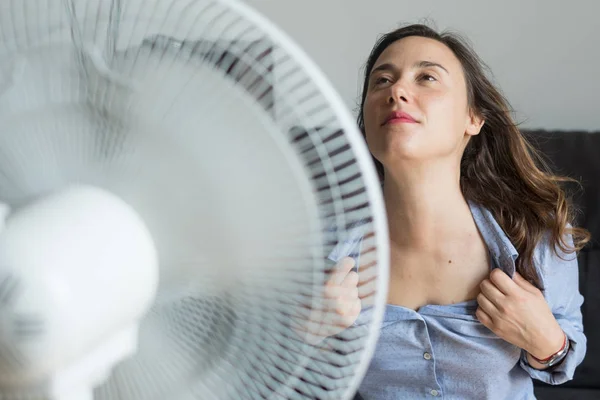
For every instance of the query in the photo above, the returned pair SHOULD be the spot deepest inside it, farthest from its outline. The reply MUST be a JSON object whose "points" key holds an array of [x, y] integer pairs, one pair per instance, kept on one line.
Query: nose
{"points": [[398, 94]]}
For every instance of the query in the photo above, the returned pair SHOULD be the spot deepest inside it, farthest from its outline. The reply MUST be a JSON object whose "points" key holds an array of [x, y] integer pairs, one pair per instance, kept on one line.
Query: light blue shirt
{"points": [[444, 352]]}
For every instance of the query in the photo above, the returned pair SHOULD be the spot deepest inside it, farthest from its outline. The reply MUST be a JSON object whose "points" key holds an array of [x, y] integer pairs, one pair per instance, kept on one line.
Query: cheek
{"points": [[445, 112], [370, 117], [368, 109]]}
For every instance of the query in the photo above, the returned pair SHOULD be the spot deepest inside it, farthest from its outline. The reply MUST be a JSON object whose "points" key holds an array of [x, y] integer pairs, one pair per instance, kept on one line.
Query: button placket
{"points": [[429, 359]]}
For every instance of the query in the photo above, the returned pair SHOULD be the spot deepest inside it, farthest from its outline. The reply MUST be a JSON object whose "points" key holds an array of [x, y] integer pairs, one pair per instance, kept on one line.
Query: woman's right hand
{"points": [[341, 303]]}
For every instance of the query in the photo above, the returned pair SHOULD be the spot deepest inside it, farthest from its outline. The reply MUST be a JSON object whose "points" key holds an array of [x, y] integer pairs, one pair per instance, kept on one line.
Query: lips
{"points": [[399, 117]]}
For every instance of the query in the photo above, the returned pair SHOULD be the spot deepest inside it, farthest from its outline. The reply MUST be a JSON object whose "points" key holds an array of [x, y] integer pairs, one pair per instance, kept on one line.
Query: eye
{"points": [[427, 77], [382, 80]]}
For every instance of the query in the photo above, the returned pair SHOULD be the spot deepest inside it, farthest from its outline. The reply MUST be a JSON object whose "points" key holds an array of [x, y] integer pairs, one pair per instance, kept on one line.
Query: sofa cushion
{"points": [[576, 154], [566, 393]]}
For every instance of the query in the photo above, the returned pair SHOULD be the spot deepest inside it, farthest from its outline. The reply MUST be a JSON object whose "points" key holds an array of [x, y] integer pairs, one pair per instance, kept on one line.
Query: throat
{"points": [[423, 213]]}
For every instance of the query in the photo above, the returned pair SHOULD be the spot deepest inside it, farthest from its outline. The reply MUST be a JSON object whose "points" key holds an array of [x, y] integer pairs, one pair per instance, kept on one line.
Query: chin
{"points": [[394, 147]]}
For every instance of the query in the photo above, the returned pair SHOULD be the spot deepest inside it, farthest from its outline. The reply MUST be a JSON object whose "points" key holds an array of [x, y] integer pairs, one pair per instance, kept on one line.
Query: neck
{"points": [[424, 206]]}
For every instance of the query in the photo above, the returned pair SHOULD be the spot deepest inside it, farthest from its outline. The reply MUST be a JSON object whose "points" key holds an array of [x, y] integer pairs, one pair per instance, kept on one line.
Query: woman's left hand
{"points": [[517, 312]]}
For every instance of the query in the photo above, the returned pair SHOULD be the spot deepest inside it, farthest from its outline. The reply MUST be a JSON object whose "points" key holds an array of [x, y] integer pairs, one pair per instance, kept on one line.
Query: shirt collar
{"points": [[503, 252]]}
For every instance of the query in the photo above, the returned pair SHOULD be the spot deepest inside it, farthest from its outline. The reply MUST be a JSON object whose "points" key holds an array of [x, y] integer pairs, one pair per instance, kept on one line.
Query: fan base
{"points": [[78, 381]]}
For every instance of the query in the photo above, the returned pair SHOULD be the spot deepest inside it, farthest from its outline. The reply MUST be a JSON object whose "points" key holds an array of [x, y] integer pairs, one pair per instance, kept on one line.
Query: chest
{"points": [[451, 278]]}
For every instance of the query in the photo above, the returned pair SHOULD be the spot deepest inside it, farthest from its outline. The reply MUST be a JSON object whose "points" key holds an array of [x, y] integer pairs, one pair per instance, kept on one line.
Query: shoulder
{"points": [[550, 259], [558, 271]]}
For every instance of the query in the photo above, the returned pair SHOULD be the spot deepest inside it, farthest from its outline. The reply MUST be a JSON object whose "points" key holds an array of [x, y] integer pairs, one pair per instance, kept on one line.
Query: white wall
{"points": [[545, 54]]}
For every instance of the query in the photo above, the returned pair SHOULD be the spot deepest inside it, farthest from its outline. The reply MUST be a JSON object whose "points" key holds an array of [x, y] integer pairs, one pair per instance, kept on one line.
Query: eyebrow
{"points": [[418, 64]]}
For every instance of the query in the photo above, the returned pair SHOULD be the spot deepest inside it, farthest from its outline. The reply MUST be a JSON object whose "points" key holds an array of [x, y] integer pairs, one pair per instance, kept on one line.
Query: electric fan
{"points": [[177, 182]]}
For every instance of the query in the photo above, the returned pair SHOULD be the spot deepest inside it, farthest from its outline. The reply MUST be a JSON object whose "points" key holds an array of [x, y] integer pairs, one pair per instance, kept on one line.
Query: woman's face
{"points": [[416, 105]]}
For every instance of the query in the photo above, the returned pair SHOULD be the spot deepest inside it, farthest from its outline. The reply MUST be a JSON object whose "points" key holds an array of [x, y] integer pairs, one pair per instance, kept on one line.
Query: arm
{"points": [[561, 276]]}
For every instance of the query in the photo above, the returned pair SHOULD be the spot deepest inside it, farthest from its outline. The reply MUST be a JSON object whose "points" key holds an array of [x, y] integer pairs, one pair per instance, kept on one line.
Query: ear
{"points": [[474, 123]]}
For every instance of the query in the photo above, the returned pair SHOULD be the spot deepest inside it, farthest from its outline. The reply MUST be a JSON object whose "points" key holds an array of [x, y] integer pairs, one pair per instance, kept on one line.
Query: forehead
{"points": [[413, 49]]}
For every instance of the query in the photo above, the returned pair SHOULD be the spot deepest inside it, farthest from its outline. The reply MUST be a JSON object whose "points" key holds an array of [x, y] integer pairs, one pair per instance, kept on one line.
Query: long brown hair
{"points": [[500, 169]]}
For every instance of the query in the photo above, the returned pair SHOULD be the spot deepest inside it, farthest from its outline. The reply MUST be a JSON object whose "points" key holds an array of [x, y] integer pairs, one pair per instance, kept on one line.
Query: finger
{"points": [[491, 292], [343, 266], [345, 295], [483, 317], [355, 309], [524, 283], [333, 292], [346, 306], [351, 314], [341, 293], [486, 305], [351, 293], [502, 281], [351, 280]]}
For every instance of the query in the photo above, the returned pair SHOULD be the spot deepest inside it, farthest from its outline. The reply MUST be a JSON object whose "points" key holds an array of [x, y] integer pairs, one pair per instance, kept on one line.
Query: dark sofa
{"points": [[577, 155]]}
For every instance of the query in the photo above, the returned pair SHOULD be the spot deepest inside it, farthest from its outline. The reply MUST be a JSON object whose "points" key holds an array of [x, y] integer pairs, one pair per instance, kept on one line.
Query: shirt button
{"points": [[434, 392], [427, 356]]}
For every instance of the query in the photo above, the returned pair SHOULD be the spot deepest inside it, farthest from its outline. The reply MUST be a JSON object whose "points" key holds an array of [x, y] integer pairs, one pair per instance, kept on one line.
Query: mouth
{"points": [[399, 117]]}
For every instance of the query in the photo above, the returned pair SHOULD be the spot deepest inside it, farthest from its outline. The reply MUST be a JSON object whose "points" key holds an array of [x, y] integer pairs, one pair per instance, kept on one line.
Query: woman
{"points": [[483, 292]]}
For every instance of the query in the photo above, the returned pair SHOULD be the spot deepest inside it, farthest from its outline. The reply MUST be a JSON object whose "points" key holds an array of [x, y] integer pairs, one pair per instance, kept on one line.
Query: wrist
{"points": [[552, 360], [548, 345]]}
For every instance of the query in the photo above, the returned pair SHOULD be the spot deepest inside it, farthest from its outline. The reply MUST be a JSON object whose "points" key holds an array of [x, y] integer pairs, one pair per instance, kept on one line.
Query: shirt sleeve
{"points": [[561, 283]]}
